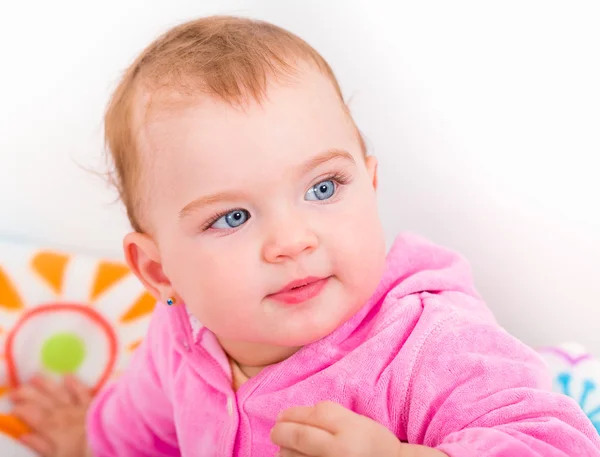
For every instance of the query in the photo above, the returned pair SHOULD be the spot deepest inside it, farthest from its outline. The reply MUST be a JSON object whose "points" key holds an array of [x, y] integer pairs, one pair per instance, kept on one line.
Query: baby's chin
{"points": [[308, 324]]}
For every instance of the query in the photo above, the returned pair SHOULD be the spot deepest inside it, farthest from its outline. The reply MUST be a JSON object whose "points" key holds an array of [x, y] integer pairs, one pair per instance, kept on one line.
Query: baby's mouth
{"points": [[300, 290]]}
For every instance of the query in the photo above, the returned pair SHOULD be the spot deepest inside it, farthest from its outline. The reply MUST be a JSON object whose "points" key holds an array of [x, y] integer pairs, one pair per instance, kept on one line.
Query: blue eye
{"points": [[232, 219], [321, 191]]}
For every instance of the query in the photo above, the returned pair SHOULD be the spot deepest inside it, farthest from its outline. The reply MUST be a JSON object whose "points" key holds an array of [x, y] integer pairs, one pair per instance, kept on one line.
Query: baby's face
{"points": [[247, 203]]}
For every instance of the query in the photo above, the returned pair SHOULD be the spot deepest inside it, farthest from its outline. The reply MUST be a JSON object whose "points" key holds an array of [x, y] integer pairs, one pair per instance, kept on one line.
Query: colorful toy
{"points": [[60, 314], [576, 373]]}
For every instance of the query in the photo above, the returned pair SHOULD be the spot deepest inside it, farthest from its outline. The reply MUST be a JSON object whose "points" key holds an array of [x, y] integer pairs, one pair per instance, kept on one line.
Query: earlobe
{"points": [[143, 258], [372, 164]]}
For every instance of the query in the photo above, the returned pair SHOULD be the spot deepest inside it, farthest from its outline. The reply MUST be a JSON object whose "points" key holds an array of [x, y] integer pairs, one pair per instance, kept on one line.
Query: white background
{"points": [[485, 117]]}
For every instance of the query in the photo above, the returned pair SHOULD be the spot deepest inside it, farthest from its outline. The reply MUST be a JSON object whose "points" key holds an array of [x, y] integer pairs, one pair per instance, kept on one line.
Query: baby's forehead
{"points": [[305, 110]]}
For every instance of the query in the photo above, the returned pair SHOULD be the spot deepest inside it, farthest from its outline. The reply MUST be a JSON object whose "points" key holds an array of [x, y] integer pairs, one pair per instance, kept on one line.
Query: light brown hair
{"points": [[230, 58]]}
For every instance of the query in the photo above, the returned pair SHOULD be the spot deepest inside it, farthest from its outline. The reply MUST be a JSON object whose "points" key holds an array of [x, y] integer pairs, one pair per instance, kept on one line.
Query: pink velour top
{"points": [[424, 357]]}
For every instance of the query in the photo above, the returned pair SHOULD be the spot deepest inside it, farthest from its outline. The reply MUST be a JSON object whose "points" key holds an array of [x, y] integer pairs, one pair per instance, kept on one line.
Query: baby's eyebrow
{"points": [[208, 200], [328, 155]]}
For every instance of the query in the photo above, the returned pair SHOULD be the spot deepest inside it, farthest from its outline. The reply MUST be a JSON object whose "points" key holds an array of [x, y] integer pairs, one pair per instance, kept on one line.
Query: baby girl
{"points": [[283, 327]]}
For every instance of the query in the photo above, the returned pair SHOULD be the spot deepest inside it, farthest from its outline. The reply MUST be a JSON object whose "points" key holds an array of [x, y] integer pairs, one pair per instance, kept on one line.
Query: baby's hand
{"points": [[56, 415], [330, 430]]}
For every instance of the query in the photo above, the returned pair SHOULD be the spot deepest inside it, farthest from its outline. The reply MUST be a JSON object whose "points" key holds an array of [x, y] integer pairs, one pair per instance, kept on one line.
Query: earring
{"points": [[170, 301]]}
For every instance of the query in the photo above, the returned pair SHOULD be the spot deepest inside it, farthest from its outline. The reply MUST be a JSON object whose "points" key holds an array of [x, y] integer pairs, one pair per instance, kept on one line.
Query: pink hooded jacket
{"points": [[424, 357]]}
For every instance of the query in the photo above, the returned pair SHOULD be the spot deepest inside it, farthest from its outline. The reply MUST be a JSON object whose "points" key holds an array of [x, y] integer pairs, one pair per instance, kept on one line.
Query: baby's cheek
{"points": [[228, 313], [360, 258], [219, 319]]}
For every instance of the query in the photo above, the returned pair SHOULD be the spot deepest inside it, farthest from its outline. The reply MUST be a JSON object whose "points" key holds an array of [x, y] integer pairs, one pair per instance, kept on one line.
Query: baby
{"points": [[282, 327]]}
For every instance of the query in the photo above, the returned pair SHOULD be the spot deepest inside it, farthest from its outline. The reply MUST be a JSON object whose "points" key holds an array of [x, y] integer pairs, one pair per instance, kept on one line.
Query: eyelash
{"points": [[341, 178], [215, 218]]}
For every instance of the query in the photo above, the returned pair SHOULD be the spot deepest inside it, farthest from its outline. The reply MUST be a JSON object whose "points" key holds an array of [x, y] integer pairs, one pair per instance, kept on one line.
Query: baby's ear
{"points": [[372, 164], [143, 258]]}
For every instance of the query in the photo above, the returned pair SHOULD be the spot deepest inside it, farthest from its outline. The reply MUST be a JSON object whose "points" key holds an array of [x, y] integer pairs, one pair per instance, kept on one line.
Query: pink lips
{"points": [[300, 291]]}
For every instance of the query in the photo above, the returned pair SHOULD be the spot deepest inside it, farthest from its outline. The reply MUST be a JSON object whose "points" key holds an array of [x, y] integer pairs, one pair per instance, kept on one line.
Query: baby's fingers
{"points": [[39, 444], [79, 392], [325, 415], [303, 439], [28, 393], [52, 389]]}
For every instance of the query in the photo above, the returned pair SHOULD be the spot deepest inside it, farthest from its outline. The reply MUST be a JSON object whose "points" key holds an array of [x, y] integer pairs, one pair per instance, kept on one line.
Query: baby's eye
{"points": [[232, 219], [321, 191]]}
